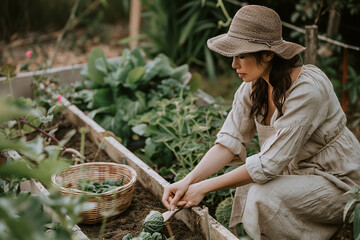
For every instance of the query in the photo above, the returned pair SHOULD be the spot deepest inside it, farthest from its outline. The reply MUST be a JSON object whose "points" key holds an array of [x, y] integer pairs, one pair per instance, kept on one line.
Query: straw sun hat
{"points": [[253, 29]]}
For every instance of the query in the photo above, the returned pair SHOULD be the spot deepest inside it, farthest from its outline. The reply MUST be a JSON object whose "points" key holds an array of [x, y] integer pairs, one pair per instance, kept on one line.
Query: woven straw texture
{"points": [[109, 204]]}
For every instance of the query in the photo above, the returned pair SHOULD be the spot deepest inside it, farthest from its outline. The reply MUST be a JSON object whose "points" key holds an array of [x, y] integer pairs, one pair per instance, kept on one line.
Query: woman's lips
{"points": [[241, 75]]}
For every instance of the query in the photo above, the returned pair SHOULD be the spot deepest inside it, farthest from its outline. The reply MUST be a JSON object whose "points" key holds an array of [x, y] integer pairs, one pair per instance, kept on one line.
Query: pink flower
{"points": [[59, 98], [53, 84], [47, 82], [29, 53]]}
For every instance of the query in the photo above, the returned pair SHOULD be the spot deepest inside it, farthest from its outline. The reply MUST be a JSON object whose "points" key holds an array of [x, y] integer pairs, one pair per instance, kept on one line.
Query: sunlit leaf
{"points": [[357, 221]]}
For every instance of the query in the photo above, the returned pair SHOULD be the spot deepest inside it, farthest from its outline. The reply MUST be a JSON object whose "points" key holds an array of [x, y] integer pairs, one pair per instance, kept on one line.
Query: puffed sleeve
{"points": [[238, 129], [304, 110]]}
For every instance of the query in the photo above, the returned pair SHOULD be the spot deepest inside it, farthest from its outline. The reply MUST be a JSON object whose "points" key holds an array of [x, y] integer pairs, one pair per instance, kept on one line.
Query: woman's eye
{"points": [[241, 56]]}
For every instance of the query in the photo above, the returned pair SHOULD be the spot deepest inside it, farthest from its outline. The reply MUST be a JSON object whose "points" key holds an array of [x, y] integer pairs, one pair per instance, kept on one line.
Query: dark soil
{"points": [[129, 221]]}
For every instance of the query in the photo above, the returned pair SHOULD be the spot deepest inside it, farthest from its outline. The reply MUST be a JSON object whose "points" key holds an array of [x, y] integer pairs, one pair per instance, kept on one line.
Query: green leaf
{"points": [[209, 64], [9, 110], [141, 130], [357, 221], [188, 28], [108, 109], [43, 172], [150, 148], [100, 65], [348, 205], [137, 58], [133, 78], [94, 74], [103, 97], [8, 70]]}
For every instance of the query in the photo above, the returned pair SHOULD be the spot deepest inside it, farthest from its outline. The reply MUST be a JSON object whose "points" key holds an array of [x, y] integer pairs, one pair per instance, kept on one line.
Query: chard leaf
{"points": [[107, 109], [131, 108], [140, 129], [357, 221], [133, 78], [100, 65], [150, 148], [137, 57], [181, 73], [160, 66], [96, 76], [103, 98], [33, 119]]}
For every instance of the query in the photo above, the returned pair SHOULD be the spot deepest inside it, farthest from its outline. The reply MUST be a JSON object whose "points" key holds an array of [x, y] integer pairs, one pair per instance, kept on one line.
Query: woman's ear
{"points": [[267, 56]]}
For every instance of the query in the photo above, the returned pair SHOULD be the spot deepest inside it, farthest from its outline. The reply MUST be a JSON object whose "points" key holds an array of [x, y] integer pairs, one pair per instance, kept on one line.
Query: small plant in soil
{"points": [[152, 226]]}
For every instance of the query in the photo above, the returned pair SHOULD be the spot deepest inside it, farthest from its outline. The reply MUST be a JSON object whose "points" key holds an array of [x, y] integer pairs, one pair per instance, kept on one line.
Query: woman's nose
{"points": [[235, 63]]}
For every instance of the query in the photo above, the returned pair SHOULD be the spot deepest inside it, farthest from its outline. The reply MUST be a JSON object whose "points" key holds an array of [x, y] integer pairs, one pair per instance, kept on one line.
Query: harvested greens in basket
{"points": [[97, 187]]}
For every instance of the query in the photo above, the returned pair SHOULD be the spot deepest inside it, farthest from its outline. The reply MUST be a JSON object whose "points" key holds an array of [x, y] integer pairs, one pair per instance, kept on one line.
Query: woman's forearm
{"points": [[214, 160], [237, 177]]}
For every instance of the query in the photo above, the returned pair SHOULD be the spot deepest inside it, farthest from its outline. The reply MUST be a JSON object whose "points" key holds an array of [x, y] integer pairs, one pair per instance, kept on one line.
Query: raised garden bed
{"points": [[196, 220], [143, 200]]}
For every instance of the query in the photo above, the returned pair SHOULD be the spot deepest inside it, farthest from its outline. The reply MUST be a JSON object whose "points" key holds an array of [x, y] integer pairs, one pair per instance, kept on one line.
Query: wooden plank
{"points": [[134, 23], [22, 83], [311, 40]]}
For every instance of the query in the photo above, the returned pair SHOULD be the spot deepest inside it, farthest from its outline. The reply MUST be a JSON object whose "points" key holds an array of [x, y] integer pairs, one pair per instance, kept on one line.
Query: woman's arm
{"points": [[214, 160], [197, 191]]}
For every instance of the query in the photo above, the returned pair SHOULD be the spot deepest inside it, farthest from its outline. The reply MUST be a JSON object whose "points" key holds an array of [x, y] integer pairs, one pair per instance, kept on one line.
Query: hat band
{"points": [[254, 40]]}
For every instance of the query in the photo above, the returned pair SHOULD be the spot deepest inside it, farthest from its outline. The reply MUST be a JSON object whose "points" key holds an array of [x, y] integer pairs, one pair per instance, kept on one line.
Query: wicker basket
{"points": [[109, 203]]}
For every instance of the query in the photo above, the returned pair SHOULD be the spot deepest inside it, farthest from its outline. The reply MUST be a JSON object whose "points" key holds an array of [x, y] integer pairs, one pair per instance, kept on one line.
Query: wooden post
{"points": [[134, 23], [311, 39]]}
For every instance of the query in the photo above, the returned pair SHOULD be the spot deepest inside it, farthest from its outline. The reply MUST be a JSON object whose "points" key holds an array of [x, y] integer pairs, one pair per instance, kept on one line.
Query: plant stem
{"points": [[64, 30], [228, 18], [99, 148], [38, 129], [71, 23]]}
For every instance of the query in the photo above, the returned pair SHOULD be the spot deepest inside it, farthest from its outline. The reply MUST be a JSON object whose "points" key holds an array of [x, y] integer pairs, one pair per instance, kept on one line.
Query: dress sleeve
{"points": [[303, 112], [238, 129]]}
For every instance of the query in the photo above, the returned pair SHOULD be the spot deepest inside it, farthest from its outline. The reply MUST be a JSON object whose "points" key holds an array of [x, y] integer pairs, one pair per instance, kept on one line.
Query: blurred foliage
{"points": [[23, 215], [180, 29], [18, 17]]}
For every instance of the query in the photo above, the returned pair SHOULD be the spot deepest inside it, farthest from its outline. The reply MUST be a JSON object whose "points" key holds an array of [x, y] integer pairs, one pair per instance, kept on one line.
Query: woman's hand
{"points": [[173, 193], [193, 196]]}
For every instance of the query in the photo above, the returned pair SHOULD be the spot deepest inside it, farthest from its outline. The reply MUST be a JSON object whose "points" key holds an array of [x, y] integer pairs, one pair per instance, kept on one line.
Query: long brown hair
{"points": [[279, 78]]}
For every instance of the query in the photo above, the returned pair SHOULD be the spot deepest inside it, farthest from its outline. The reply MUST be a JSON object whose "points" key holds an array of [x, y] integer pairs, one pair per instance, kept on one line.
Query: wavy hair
{"points": [[279, 79]]}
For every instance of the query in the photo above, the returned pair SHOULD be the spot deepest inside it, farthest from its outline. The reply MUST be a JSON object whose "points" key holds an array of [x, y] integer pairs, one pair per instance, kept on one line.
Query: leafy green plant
{"points": [[178, 133], [181, 129], [223, 211], [152, 225], [113, 93], [355, 215]]}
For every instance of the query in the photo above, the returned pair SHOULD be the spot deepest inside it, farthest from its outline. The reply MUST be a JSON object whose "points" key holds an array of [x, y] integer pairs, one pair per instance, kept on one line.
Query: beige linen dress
{"points": [[308, 160]]}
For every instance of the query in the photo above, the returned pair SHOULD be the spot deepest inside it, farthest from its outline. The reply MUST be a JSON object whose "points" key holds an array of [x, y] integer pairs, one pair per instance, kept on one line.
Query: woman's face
{"points": [[249, 69]]}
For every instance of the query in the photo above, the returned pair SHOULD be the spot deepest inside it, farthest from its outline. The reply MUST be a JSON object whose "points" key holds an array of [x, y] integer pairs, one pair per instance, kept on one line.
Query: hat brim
{"points": [[231, 46]]}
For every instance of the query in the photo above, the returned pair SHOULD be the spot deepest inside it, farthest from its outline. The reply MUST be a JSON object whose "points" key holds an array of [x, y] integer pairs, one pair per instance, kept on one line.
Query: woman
{"points": [[294, 187]]}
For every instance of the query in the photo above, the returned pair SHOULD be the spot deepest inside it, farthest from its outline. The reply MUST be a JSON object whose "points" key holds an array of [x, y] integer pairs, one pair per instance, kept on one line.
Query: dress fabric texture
{"points": [[307, 161]]}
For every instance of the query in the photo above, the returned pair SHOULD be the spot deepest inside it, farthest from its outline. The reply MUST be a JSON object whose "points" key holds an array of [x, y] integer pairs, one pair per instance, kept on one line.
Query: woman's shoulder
{"points": [[312, 78], [242, 94], [311, 72]]}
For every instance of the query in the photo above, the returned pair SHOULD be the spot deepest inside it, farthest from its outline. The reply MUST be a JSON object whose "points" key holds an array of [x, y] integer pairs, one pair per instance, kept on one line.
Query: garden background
{"points": [[38, 35]]}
